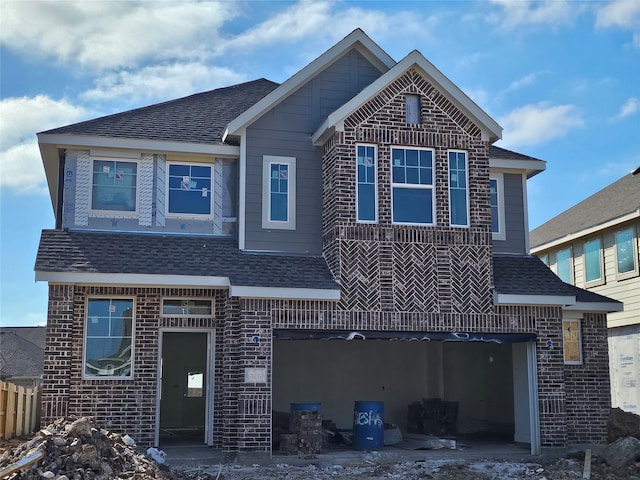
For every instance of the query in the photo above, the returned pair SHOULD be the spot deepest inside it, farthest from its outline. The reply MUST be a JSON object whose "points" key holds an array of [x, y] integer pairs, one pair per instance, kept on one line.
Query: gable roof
{"points": [[21, 351], [490, 128], [151, 259], [612, 205], [356, 39], [519, 279], [507, 159]]}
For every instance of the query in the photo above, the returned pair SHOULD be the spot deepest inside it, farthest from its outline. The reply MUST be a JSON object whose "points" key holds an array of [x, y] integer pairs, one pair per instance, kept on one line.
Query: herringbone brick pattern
{"points": [[415, 280], [470, 279], [359, 278]]}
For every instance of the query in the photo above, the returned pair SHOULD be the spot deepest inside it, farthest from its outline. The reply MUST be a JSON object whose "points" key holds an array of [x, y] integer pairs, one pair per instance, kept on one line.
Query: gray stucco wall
{"points": [[513, 217]]}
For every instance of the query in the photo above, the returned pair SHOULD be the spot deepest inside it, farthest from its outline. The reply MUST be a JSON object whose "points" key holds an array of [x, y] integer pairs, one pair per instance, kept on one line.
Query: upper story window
{"points": [[545, 259], [189, 189], [366, 185], [187, 306], [626, 253], [496, 198], [563, 265], [412, 105], [114, 186], [593, 261], [108, 338], [412, 192], [278, 192], [458, 189]]}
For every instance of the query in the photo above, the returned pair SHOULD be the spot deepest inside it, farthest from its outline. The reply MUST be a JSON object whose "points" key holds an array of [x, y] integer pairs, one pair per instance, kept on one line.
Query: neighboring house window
{"points": [[189, 191], [108, 338], [626, 253], [412, 109], [366, 195], [545, 259], [563, 265], [412, 198], [496, 198], [114, 186], [458, 189], [593, 261], [572, 341], [278, 192], [191, 307]]}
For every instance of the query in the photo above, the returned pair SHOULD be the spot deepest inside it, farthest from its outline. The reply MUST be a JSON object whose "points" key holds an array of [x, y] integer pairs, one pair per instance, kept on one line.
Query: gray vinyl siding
{"points": [[286, 131], [515, 241]]}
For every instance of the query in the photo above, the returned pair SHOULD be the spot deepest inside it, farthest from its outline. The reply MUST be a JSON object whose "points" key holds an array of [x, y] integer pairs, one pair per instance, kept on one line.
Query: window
{"points": [[593, 261], [108, 338], [189, 189], [114, 185], [545, 259], [563, 265], [366, 184], [412, 197], [412, 109], [278, 192], [496, 198], [458, 190], [193, 307], [626, 254], [572, 341], [195, 381]]}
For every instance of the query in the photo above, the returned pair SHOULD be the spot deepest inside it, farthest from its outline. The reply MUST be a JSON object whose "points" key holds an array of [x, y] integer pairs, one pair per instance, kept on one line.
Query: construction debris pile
{"points": [[76, 449]]}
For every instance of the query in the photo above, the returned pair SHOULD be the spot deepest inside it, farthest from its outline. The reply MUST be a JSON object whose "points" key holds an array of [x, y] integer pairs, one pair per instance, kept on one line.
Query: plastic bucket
{"points": [[368, 425]]}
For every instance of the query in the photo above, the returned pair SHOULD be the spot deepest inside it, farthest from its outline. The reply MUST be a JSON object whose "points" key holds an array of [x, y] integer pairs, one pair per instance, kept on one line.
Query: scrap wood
{"points": [[586, 473], [22, 463]]}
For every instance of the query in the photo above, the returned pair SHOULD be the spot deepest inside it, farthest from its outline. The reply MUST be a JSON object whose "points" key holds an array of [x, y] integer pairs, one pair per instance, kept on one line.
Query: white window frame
{"points": [[267, 223], [600, 280], [375, 183], [431, 187], [93, 212], [210, 193], [212, 304], [634, 248], [555, 264], [466, 173], [501, 234], [578, 322], [107, 378]]}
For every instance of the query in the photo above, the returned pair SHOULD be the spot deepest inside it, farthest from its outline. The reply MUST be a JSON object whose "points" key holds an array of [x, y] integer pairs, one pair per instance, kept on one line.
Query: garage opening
{"points": [[482, 381]]}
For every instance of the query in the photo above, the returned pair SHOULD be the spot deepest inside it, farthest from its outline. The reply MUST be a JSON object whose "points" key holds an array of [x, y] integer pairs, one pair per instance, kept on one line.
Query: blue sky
{"points": [[561, 77]]}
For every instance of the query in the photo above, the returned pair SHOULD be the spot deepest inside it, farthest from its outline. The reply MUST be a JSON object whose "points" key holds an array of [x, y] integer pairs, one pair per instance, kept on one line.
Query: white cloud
{"points": [[20, 119], [528, 12], [525, 81], [160, 82], [108, 35], [619, 13], [539, 123], [628, 108]]}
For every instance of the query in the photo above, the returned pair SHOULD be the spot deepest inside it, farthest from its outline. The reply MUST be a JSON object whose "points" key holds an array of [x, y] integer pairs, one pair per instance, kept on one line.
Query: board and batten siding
{"points": [[515, 240], [286, 131]]}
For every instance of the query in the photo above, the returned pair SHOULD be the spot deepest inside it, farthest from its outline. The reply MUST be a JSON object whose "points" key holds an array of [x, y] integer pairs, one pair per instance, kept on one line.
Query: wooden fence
{"points": [[18, 410]]}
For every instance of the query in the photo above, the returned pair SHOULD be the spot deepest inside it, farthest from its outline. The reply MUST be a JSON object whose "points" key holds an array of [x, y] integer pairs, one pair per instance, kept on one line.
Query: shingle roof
{"points": [[20, 357], [618, 199], [126, 253], [498, 152], [528, 275], [198, 118]]}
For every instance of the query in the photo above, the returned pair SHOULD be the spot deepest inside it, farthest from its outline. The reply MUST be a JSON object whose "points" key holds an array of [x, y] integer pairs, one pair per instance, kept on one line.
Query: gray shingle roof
{"points": [[127, 253], [198, 118], [618, 199], [528, 275], [498, 152], [19, 356]]}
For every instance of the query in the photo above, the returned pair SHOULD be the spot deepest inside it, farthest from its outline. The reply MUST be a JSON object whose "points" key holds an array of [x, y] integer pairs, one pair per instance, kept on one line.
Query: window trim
{"points": [[431, 187], [634, 247], [375, 184], [85, 375], [101, 213], [501, 234], [466, 173], [601, 279], [194, 216], [267, 223], [555, 264], [580, 360], [187, 315]]}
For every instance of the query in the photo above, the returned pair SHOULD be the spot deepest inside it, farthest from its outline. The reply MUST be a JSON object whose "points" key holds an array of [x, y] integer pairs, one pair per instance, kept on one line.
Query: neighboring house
{"points": [[351, 234], [22, 355], [594, 245]]}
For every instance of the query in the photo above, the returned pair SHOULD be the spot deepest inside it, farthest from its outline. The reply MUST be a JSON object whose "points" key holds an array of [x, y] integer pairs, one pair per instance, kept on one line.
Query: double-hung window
{"points": [[458, 189], [563, 265], [108, 338], [593, 261], [626, 253], [496, 199], [189, 189], [366, 203], [412, 192], [114, 186], [278, 192]]}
